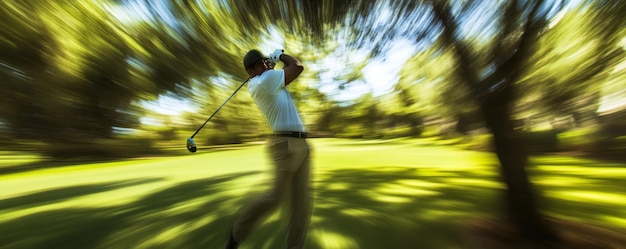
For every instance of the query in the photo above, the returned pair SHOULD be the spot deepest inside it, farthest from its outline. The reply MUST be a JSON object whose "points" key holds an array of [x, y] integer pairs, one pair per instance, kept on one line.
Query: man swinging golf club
{"points": [[288, 148]]}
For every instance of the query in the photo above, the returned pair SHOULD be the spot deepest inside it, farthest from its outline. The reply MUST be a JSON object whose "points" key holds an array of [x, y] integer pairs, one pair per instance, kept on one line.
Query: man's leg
{"points": [[258, 209], [300, 199]]}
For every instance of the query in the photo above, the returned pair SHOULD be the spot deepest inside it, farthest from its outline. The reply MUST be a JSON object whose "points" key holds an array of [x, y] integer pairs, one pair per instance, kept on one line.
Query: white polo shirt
{"points": [[269, 92]]}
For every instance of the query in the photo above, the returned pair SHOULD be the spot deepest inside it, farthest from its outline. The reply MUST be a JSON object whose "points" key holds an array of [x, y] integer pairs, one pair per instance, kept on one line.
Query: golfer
{"points": [[287, 146]]}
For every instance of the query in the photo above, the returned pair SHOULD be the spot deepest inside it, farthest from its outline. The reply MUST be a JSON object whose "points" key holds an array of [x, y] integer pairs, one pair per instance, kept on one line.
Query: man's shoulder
{"points": [[271, 80], [269, 74]]}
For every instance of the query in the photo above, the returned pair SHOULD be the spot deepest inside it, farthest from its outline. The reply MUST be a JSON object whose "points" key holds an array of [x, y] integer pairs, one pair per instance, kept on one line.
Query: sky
{"points": [[379, 74]]}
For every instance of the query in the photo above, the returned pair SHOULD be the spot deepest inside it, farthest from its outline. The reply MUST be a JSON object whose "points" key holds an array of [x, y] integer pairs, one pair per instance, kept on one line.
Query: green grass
{"points": [[401, 193]]}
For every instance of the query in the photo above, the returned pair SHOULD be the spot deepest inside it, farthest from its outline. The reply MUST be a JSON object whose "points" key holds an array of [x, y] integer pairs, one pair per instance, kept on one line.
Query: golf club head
{"points": [[191, 145]]}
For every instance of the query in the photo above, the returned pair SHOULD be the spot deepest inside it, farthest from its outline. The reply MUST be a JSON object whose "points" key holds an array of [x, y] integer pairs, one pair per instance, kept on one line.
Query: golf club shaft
{"points": [[218, 109]]}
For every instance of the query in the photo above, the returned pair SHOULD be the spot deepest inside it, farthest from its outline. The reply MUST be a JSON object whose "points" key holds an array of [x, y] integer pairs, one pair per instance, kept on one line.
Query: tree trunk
{"points": [[519, 199]]}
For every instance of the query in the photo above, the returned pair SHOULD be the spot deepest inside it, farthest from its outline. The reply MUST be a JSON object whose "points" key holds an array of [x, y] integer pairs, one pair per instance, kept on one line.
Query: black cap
{"points": [[252, 57]]}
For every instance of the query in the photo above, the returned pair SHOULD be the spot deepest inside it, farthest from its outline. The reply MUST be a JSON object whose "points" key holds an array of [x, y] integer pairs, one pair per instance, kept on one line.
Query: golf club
{"points": [[191, 145]]}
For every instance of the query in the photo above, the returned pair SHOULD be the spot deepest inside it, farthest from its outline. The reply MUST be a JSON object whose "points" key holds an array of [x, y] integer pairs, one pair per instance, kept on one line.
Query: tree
{"points": [[492, 84], [424, 87]]}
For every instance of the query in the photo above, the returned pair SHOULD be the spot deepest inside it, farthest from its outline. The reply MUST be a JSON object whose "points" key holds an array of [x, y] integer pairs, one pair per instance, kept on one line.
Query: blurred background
{"points": [[117, 78], [515, 83]]}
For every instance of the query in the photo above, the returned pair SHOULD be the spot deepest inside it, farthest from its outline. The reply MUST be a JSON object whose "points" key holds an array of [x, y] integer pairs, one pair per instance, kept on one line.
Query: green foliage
{"points": [[428, 84], [619, 144], [582, 139], [480, 142], [540, 141], [431, 131], [221, 138], [79, 70], [573, 58], [166, 133], [354, 131], [402, 131]]}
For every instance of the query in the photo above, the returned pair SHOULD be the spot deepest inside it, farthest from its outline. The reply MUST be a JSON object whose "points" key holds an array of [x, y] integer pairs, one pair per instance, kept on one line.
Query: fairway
{"points": [[369, 194]]}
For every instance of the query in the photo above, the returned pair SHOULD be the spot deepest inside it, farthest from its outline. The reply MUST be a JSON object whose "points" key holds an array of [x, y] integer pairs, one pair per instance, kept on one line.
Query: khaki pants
{"points": [[291, 159]]}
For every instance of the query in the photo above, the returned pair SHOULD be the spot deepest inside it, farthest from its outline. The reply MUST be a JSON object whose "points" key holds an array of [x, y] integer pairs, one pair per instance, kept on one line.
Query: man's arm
{"points": [[293, 68]]}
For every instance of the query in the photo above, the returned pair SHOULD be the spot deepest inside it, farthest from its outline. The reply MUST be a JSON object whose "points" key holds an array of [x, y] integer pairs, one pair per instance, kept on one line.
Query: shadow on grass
{"points": [[354, 209], [141, 223], [587, 192], [388, 207], [63, 194], [395, 207]]}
